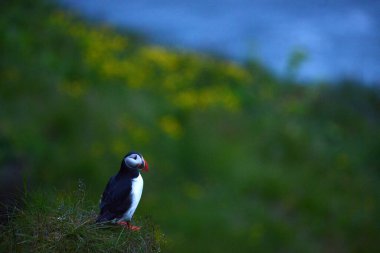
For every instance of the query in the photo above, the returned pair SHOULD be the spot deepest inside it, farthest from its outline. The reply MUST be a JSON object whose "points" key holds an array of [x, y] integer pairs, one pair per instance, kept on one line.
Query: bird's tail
{"points": [[104, 217]]}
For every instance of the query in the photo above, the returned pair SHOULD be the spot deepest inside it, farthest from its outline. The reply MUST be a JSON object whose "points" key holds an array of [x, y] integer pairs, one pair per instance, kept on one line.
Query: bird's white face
{"points": [[136, 160]]}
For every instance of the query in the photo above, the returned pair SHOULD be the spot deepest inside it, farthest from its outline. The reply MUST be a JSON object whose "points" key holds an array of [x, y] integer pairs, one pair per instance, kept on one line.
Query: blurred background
{"points": [[337, 38], [259, 119]]}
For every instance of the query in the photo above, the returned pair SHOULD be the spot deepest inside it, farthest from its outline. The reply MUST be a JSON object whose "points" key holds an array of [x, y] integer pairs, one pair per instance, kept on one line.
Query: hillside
{"points": [[239, 158], [67, 224]]}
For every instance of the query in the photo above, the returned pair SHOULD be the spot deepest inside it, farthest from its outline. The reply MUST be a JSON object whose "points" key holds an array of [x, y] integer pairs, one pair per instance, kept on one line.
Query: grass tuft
{"points": [[66, 223]]}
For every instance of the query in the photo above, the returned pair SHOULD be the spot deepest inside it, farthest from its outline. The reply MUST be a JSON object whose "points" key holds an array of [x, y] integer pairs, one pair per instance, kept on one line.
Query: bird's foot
{"points": [[128, 225], [134, 228]]}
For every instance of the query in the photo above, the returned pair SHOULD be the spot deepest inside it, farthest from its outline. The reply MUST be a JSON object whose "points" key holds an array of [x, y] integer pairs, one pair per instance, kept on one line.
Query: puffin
{"points": [[123, 192]]}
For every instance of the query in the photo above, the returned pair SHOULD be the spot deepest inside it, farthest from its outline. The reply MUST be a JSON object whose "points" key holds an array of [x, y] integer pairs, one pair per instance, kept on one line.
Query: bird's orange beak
{"points": [[146, 167]]}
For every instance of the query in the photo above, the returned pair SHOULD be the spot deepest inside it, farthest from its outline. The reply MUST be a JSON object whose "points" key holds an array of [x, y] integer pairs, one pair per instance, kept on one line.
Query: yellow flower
{"points": [[160, 57], [186, 99], [170, 126]]}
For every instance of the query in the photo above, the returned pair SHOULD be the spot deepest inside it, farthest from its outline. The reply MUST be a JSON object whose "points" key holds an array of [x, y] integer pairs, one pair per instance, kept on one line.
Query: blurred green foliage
{"points": [[239, 158]]}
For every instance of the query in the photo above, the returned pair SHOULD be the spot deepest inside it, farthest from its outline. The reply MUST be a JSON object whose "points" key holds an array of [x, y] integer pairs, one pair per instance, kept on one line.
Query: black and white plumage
{"points": [[123, 191]]}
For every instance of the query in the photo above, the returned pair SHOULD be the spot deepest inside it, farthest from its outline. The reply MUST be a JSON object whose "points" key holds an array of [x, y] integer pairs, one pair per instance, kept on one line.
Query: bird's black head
{"points": [[134, 160]]}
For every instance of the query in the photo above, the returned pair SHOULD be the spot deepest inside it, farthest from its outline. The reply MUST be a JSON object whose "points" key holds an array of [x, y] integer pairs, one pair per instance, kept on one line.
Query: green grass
{"points": [[239, 158], [64, 222]]}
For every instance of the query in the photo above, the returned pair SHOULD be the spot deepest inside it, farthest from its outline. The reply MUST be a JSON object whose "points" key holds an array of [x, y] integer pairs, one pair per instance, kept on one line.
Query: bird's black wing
{"points": [[116, 199]]}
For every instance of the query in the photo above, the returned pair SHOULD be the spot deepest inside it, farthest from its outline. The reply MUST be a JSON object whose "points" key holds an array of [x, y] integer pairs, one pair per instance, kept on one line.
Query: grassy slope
{"points": [[66, 223], [257, 163]]}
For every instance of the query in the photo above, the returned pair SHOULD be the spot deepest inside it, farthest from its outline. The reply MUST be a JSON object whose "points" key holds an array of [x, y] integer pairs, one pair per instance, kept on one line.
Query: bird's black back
{"points": [[116, 198]]}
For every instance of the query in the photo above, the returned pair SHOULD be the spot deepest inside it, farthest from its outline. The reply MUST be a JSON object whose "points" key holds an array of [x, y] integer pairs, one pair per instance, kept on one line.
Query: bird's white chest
{"points": [[137, 188], [136, 192]]}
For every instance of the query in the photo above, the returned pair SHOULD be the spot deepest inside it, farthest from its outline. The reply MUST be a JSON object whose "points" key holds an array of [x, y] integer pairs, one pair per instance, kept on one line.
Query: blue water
{"points": [[341, 38]]}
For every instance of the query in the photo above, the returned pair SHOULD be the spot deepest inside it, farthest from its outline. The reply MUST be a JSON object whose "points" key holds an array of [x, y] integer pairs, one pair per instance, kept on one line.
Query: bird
{"points": [[123, 192]]}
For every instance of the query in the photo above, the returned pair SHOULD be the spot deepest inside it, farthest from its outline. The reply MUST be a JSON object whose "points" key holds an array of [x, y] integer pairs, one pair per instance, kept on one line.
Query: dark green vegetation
{"points": [[67, 224], [239, 159]]}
